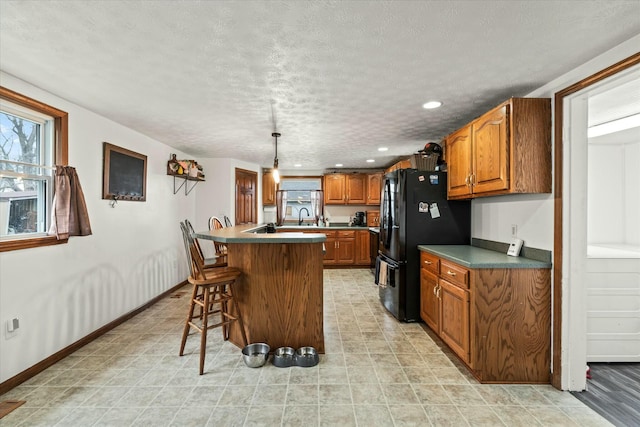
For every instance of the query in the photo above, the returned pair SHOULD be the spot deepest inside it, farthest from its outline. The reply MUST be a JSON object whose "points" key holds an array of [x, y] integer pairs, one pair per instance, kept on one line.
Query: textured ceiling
{"points": [[337, 79]]}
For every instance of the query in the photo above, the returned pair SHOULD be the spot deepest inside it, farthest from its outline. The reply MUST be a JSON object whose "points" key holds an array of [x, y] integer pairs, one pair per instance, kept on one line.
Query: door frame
{"points": [[558, 228]]}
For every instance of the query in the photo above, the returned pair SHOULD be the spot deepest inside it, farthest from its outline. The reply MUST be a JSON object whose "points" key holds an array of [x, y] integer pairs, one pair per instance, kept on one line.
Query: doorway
{"points": [[597, 242], [246, 197]]}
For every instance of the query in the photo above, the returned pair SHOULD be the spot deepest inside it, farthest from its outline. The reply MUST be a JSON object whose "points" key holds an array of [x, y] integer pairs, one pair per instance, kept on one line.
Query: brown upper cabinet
{"points": [[402, 164], [345, 189], [374, 186], [506, 150], [268, 189]]}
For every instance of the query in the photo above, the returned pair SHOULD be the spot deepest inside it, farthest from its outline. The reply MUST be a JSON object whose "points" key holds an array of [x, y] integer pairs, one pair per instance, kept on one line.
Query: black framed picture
{"points": [[124, 174]]}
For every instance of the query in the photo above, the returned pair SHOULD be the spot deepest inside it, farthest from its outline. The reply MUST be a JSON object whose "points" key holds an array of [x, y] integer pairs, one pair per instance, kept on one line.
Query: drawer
{"points": [[346, 234], [454, 273], [430, 262], [330, 234]]}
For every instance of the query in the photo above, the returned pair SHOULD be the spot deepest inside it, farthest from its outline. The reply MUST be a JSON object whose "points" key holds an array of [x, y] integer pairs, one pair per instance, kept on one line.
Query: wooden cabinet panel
{"points": [[356, 189], [506, 150], [346, 250], [498, 321], [430, 262], [334, 189], [402, 164], [459, 162], [429, 301], [343, 189], [330, 249], [491, 151], [454, 273], [512, 328], [373, 218], [454, 324], [363, 248], [374, 188], [268, 189]]}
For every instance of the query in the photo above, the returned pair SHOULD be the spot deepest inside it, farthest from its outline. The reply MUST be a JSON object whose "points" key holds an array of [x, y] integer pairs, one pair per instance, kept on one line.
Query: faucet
{"points": [[300, 215]]}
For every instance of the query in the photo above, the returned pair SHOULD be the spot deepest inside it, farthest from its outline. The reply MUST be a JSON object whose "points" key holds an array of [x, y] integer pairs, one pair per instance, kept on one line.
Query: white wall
{"points": [[217, 196], [533, 214], [613, 188], [62, 293], [492, 217]]}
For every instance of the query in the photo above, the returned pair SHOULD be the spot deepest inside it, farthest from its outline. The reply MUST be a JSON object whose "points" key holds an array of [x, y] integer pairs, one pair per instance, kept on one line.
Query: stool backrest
{"points": [[227, 222], [215, 223], [186, 237], [194, 255], [187, 223]]}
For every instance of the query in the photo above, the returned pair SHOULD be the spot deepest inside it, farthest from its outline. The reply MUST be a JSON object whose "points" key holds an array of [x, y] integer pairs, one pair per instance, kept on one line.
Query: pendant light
{"points": [[274, 171]]}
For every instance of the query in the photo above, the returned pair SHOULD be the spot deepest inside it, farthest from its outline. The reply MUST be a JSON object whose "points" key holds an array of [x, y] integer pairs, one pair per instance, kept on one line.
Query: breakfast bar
{"points": [[280, 292]]}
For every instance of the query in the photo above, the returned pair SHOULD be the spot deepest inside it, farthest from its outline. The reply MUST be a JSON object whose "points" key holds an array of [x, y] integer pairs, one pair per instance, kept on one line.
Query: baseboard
{"points": [[56, 357]]}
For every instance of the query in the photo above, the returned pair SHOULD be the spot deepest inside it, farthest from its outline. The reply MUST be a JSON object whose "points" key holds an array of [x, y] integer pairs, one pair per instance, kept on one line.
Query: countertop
{"points": [[255, 234], [474, 257], [322, 228]]}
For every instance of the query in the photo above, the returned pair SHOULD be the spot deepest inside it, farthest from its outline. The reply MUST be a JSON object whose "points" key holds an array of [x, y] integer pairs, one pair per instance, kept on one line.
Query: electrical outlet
{"points": [[514, 230], [12, 327]]}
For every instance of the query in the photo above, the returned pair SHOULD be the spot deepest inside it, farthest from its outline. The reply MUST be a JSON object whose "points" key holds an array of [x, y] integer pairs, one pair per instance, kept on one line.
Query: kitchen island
{"points": [[280, 291]]}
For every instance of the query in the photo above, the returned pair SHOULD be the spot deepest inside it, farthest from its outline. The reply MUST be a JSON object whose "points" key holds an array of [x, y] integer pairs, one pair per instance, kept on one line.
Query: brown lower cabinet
{"points": [[343, 247], [497, 320]]}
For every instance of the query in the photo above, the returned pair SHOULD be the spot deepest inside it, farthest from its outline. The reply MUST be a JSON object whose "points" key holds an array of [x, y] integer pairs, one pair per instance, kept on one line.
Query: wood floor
{"points": [[614, 392]]}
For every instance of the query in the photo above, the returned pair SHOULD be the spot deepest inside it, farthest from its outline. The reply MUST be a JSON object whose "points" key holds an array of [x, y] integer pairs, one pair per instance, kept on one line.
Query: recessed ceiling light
{"points": [[370, 160], [338, 165], [297, 165], [382, 149], [431, 104]]}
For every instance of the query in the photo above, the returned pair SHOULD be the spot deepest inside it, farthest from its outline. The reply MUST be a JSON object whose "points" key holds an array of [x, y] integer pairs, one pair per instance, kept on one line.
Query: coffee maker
{"points": [[359, 219]]}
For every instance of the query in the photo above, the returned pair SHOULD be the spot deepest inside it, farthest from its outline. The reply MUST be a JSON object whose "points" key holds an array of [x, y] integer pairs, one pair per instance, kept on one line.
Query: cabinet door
{"points": [[268, 190], [373, 218], [356, 189], [429, 302], [491, 151], [454, 320], [374, 188], [330, 251], [459, 162], [346, 251], [363, 248], [334, 187]]}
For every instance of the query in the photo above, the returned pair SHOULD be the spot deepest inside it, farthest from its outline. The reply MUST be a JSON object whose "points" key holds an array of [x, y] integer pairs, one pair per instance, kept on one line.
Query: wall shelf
{"points": [[185, 179]]}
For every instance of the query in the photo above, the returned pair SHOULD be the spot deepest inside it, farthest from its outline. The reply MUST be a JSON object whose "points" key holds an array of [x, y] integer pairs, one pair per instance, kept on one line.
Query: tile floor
{"points": [[376, 372]]}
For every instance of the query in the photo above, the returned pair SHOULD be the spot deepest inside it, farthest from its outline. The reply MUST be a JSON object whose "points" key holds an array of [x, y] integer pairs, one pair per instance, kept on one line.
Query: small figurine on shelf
{"points": [[193, 170], [172, 165]]}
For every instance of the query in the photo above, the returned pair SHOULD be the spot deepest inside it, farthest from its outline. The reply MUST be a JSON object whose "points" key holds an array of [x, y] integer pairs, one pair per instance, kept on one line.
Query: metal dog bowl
{"points": [[306, 357], [255, 355], [283, 357]]}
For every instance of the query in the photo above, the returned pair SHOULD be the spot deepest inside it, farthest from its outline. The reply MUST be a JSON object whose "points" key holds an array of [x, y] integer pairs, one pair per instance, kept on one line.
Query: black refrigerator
{"points": [[414, 210]]}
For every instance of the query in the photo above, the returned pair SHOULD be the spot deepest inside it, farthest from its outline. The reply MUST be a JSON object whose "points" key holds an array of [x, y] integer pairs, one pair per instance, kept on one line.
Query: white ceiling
{"points": [[339, 78]]}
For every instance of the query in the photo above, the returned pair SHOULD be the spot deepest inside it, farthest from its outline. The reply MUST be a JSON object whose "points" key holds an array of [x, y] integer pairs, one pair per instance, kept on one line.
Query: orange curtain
{"points": [[69, 216]]}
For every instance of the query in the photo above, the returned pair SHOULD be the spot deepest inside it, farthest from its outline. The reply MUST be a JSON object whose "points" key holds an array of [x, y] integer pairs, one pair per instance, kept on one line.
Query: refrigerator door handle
{"points": [[388, 218]]}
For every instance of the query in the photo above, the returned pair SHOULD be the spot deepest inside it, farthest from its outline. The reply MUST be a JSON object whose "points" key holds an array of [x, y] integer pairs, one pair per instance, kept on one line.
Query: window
{"points": [[33, 139], [299, 196]]}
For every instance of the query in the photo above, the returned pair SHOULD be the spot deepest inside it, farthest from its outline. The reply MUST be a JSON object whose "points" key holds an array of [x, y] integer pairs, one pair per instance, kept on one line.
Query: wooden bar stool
{"points": [[213, 294]]}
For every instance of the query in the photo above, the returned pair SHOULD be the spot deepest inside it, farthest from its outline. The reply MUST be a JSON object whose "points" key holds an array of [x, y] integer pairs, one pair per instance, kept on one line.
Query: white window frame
{"points": [[293, 215], [55, 153], [41, 171]]}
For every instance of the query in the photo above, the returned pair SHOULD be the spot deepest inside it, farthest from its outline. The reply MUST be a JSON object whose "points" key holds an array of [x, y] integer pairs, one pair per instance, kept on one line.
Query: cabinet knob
{"points": [[451, 273], [428, 262]]}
